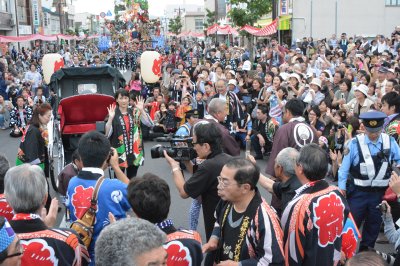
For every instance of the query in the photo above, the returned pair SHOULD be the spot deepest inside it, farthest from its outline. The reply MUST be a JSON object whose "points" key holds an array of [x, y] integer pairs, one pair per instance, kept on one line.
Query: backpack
{"points": [[84, 225]]}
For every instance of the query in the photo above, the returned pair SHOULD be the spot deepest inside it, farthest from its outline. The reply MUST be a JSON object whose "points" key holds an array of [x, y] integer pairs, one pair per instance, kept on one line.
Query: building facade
{"points": [[51, 22], [86, 22], [322, 18], [219, 5], [172, 11], [193, 21]]}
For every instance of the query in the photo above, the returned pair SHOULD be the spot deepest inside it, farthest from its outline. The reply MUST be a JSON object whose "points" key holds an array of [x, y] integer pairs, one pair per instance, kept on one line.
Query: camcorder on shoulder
{"points": [[180, 149]]}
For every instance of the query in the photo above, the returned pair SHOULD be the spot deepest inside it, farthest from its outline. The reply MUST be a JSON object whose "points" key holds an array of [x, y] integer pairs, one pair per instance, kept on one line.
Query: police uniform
{"points": [[365, 174], [184, 130]]}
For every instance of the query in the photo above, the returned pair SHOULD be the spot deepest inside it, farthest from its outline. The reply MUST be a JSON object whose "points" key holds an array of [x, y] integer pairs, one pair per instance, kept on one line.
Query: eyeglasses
{"points": [[199, 143], [225, 183]]}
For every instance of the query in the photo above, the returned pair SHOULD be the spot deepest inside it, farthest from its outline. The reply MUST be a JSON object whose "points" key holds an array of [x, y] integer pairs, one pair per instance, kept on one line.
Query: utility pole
{"points": [[179, 9], [216, 19], [17, 21]]}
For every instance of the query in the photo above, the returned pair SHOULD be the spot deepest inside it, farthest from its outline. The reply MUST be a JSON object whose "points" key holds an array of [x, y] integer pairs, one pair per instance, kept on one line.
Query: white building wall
{"points": [[317, 18], [210, 4], [189, 23], [172, 11]]}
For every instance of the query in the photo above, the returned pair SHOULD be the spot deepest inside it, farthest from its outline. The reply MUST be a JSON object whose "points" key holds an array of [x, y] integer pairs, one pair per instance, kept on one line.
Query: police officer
{"points": [[365, 172], [191, 118]]}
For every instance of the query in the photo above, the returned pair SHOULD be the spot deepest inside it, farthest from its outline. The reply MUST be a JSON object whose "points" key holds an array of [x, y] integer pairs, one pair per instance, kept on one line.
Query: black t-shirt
{"points": [[260, 127], [285, 191], [204, 183]]}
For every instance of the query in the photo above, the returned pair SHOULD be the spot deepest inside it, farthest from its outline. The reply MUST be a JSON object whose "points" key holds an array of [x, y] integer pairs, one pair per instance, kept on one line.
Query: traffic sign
{"points": [[109, 14], [102, 15]]}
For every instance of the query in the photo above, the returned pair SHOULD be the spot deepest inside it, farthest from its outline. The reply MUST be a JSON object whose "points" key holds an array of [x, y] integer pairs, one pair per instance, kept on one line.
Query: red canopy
{"points": [[250, 29], [269, 29], [224, 30], [266, 31]]}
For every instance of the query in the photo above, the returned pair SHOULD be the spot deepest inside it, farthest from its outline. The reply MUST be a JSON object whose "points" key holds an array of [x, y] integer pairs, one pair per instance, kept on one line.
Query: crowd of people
{"points": [[318, 112]]}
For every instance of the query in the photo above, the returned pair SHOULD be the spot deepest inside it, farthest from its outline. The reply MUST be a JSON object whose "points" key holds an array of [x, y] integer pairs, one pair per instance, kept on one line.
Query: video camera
{"points": [[181, 148]]}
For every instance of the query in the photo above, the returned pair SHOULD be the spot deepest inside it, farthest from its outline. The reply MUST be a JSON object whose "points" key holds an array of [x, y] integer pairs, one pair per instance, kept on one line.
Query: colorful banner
{"points": [[265, 31]]}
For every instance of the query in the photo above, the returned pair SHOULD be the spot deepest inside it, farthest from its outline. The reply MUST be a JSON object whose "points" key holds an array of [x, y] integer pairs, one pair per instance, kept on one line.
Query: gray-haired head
{"points": [[287, 159], [25, 188], [4, 166], [120, 243], [314, 161], [216, 105]]}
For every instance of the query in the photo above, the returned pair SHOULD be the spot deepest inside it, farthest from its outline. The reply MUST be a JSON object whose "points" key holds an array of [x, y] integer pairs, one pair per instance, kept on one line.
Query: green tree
{"points": [[175, 25], [210, 18], [70, 31], [254, 10]]}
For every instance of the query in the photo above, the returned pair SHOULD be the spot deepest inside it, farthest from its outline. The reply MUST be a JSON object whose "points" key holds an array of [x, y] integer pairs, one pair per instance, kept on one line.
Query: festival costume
{"points": [[32, 148], [5, 209], [126, 137], [16, 119], [313, 224], [258, 240], [183, 246], [295, 134], [45, 246], [392, 127], [112, 197]]}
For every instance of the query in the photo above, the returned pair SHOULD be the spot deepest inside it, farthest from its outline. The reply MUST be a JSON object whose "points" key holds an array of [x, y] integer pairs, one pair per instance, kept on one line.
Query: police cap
{"points": [[373, 120], [192, 113]]}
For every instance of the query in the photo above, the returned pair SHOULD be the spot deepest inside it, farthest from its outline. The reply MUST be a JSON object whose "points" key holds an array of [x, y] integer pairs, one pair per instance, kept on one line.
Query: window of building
{"points": [[22, 16], [392, 2], [198, 24], [4, 5]]}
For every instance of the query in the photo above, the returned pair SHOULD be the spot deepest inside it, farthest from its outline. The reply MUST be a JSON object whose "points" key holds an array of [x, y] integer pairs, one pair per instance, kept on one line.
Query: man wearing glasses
{"points": [[203, 182], [247, 230]]}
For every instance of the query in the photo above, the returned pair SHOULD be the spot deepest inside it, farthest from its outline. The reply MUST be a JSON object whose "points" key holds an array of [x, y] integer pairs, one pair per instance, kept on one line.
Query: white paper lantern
{"points": [[150, 66], [51, 63]]}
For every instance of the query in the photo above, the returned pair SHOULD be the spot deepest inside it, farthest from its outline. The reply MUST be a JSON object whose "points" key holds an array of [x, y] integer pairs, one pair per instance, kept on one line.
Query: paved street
{"points": [[179, 207]]}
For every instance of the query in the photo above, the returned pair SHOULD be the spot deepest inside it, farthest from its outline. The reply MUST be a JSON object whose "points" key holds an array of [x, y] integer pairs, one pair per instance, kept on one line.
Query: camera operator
{"points": [[207, 143]]}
